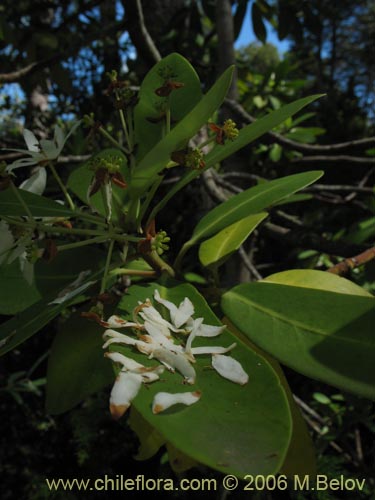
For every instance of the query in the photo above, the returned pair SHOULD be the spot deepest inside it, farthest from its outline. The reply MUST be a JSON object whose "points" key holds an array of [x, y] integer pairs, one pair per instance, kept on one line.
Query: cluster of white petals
{"points": [[156, 338], [39, 153]]}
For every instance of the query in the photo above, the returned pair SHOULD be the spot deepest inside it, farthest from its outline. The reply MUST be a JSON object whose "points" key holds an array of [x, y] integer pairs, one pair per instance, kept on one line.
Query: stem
{"points": [[107, 263], [123, 123], [160, 266], [62, 187], [148, 199], [63, 230], [21, 200], [206, 143], [168, 120], [90, 241], [181, 254], [132, 272], [112, 140]]}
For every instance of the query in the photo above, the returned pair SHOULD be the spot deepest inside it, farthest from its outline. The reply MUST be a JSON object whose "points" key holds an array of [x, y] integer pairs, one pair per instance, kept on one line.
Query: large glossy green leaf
{"points": [[80, 180], [76, 366], [16, 294], [319, 280], [159, 156], [326, 334], [38, 205], [218, 248], [300, 459], [248, 202], [234, 429], [247, 135], [148, 126]]}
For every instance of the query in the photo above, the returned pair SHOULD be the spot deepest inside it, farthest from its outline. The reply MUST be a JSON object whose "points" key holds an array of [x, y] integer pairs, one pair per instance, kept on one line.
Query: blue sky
{"points": [[247, 35]]}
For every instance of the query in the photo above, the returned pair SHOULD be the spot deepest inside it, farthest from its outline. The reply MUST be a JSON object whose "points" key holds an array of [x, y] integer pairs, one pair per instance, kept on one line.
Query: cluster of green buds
{"points": [[124, 95], [159, 242], [190, 158], [228, 131], [106, 170]]}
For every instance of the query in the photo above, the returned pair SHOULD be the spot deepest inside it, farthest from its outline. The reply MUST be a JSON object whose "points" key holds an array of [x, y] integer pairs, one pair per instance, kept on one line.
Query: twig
{"points": [[340, 158], [358, 444], [305, 407], [212, 187], [248, 263], [333, 444], [352, 262], [139, 33]]}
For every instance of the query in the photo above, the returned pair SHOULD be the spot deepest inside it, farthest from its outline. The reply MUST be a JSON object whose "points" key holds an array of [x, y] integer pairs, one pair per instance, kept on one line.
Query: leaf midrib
{"points": [[238, 206], [297, 324]]}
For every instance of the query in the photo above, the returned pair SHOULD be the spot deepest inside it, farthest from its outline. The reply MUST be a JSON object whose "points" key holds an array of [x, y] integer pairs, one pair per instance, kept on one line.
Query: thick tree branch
{"points": [[353, 262]]}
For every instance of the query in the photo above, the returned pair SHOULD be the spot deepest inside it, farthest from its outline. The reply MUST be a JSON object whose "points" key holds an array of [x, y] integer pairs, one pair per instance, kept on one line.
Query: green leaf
{"points": [[318, 280], [258, 24], [76, 366], [251, 201], [80, 180], [159, 156], [65, 268], [180, 101], [322, 328], [38, 205], [15, 292], [218, 248], [34, 318], [256, 129], [234, 429], [300, 459], [247, 135]]}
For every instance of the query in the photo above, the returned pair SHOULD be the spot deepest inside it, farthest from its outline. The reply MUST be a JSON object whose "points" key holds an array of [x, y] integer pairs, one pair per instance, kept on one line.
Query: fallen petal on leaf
{"points": [[164, 400], [230, 368]]}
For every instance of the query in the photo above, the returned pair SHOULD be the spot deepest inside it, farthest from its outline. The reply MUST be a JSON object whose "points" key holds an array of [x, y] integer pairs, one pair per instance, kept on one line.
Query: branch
{"points": [[139, 34], [16, 76], [340, 158], [353, 262], [298, 146]]}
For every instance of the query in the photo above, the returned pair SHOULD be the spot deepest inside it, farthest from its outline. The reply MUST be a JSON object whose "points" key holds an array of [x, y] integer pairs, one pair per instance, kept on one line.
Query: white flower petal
{"points": [[175, 360], [196, 325], [209, 330], [32, 142], [164, 400], [159, 336], [230, 368], [148, 373], [125, 389], [36, 183], [58, 138], [71, 131], [114, 337], [49, 149], [212, 349], [127, 363], [117, 322], [183, 313], [108, 198], [27, 268], [179, 315]]}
